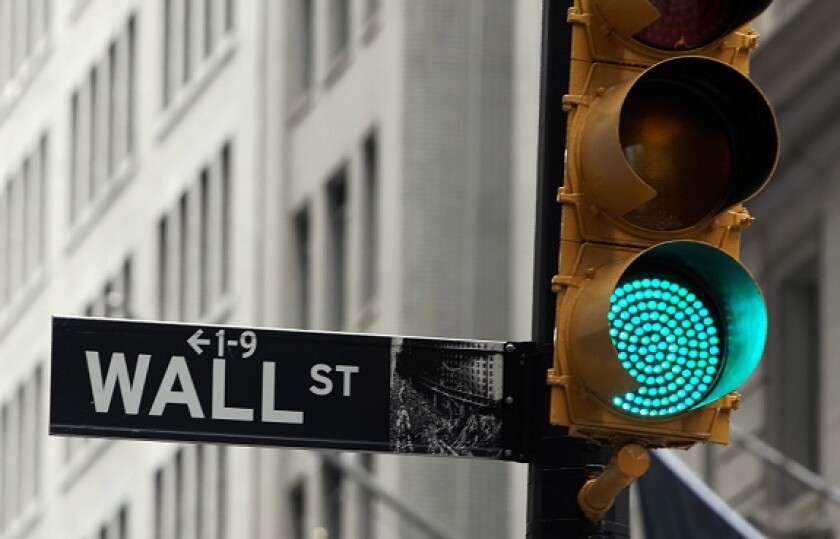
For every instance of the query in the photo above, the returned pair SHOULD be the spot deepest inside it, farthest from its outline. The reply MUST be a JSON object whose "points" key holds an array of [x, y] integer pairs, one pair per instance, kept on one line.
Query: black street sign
{"points": [[256, 386]]}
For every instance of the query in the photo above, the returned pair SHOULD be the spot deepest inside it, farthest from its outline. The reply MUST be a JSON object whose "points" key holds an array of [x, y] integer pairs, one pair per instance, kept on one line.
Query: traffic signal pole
{"points": [[561, 464]]}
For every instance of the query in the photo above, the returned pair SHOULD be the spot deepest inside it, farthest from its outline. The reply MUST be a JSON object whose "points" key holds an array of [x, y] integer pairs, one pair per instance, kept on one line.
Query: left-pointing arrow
{"points": [[196, 342]]}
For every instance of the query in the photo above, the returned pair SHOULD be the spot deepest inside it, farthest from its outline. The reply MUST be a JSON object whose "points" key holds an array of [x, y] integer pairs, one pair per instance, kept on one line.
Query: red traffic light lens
{"points": [[690, 24]]}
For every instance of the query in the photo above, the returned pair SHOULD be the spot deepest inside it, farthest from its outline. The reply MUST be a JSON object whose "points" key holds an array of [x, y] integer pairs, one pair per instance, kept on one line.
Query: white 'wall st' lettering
{"points": [[177, 375]]}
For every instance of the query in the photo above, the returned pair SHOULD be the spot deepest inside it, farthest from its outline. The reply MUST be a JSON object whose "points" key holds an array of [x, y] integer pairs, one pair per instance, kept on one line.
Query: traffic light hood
{"points": [[670, 149]]}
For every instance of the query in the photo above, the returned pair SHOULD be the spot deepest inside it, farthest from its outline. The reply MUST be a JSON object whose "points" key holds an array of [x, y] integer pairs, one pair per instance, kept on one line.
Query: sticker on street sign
{"points": [[257, 386]]}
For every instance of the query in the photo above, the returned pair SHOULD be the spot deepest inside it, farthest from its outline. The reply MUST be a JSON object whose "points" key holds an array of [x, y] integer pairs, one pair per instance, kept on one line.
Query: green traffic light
{"points": [[688, 325], [667, 338]]}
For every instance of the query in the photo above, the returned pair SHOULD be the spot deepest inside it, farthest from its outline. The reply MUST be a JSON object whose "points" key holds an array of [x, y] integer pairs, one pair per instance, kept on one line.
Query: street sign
{"points": [[256, 386]]}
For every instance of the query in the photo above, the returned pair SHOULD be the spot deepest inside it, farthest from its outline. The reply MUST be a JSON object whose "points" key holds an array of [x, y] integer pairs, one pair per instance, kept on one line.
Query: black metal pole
{"points": [[559, 464]]}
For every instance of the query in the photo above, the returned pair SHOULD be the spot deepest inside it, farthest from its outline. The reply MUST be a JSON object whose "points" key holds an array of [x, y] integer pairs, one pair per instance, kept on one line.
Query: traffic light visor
{"points": [[687, 139], [685, 324]]}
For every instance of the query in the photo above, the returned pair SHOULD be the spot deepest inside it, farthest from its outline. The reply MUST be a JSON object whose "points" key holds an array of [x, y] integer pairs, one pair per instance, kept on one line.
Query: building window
{"points": [[332, 484], [22, 218], [339, 37], [228, 15], [297, 509], [337, 215], [224, 172], [21, 449], [116, 528], [191, 493], [24, 25], [195, 34], [370, 218], [301, 45], [303, 267], [366, 516], [102, 125], [204, 273], [187, 45], [795, 375], [194, 245]]}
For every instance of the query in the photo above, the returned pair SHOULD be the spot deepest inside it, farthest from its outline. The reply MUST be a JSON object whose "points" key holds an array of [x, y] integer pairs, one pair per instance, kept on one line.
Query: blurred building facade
{"points": [[322, 164], [358, 165]]}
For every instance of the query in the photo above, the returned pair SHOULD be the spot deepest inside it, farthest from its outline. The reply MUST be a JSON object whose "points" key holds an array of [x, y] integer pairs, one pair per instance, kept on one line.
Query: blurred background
{"points": [[353, 165]]}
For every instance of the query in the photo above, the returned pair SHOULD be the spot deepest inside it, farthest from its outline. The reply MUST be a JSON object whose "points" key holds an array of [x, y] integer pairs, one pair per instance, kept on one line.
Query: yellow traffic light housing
{"points": [[657, 322]]}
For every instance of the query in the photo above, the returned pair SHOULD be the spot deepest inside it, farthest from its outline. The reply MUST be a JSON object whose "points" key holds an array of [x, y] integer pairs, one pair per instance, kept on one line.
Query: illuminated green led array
{"points": [[668, 339]]}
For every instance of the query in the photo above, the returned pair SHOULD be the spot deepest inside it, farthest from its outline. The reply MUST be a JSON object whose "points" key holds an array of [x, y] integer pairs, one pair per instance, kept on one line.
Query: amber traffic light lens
{"points": [[678, 144], [701, 135]]}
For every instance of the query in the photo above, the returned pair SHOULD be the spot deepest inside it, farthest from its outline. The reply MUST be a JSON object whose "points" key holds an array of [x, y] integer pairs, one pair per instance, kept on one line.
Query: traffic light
{"points": [[658, 323]]}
